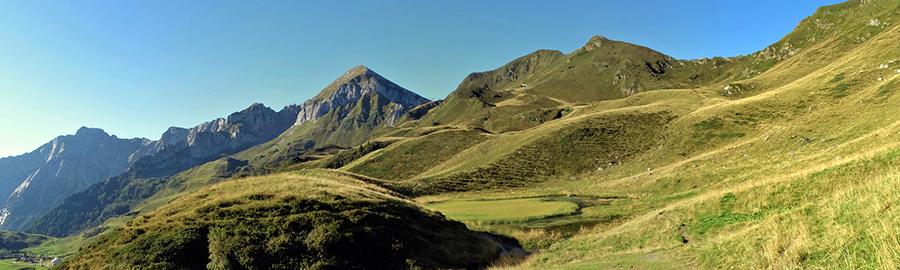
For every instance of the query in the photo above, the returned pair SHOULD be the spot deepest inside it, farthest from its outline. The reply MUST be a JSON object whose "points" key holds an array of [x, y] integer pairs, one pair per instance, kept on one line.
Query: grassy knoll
{"points": [[18, 240], [309, 219]]}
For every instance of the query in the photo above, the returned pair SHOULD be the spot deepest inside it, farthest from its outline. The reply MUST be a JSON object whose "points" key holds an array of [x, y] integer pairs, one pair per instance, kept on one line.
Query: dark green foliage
{"points": [[293, 158], [708, 124], [839, 90], [838, 78], [17, 240], [539, 116], [885, 89], [731, 135], [94, 232], [276, 232], [117, 196], [347, 156], [93, 206], [729, 198]]}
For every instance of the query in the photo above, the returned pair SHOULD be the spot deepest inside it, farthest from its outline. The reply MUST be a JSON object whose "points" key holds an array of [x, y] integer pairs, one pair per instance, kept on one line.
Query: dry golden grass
{"points": [[824, 203]]}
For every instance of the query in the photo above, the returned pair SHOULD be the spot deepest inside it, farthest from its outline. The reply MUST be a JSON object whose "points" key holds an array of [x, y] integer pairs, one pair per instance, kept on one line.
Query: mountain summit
{"points": [[350, 87], [35, 182], [351, 110]]}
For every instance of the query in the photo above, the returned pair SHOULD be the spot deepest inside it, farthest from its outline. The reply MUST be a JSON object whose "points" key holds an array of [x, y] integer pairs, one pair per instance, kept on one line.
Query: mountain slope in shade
{"points": [[360, 103], [180, 149], [301, 220], [63, 166], [177, 150]]}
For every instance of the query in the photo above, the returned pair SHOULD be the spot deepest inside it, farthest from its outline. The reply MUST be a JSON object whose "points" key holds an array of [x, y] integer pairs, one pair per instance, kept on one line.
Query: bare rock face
{"points": [[350, 87], [35, 182], [179, 148]]}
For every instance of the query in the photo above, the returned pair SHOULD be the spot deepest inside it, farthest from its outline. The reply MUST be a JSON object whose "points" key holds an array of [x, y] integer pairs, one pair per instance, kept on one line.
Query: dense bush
{"points": [[237, 226]]}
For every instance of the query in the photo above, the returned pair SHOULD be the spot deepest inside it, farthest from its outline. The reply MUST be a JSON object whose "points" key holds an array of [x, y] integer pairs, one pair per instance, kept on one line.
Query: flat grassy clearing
{"points": [[505, 211], [9, 265]]}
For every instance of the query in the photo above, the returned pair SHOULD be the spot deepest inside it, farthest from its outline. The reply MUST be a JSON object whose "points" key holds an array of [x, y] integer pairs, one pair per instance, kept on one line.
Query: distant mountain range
{"points": [[613, 155], [35, 182], [359, 98]]}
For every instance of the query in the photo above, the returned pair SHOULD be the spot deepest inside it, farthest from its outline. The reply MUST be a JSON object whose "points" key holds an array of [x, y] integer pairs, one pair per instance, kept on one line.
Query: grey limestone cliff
{"points": [[353, 85], [345, 113], [179, 149], [35, 182]]}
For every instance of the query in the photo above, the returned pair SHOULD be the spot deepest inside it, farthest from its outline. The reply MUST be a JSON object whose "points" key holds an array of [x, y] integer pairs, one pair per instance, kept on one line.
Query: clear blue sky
{"points": [[134, 68]]}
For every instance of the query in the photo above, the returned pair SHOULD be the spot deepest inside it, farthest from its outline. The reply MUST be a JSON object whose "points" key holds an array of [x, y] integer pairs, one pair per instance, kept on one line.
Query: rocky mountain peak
{"points": [[34, 182], [595, 42], [350, 87], [256, 107], [356, 71], [90, 132]]}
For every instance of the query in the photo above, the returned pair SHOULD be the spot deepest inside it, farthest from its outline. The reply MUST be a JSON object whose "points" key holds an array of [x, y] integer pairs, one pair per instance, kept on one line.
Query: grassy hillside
{"points": [[404, 160], [522, 93], [308, 219], [18, 240], [784, 158], [544, 85], [120, 195], [811, 183], [347, 126]]}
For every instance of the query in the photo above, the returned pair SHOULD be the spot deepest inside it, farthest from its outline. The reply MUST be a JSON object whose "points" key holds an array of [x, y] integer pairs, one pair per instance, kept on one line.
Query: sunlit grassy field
{"points": [[505, 211], [797, 172], [9, 264]]}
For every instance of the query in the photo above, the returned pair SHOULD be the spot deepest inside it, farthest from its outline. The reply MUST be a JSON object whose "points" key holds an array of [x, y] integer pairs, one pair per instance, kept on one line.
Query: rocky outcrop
{"points": [[355, 104], [67, 164], [350, 87], [179, 149], [36, 182]]}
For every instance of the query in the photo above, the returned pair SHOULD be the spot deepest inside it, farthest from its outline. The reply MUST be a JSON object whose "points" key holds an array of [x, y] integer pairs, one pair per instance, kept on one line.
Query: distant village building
{"points": [[55, 261]]}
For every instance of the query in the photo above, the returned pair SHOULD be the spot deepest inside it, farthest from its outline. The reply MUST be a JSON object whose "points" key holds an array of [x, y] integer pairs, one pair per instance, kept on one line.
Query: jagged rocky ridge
{"points": [[349, 109], [353, 85], [73, 163], [179, 149], [35, 182]]}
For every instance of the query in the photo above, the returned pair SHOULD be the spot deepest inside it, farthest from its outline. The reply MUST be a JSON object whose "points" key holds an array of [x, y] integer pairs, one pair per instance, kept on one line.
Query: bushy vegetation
{"points": [[304, 220], [345, 157], [120, 195], [18, 240]]}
